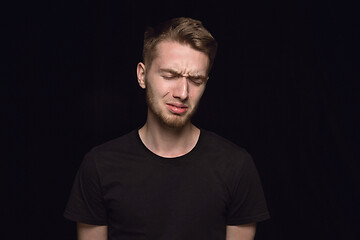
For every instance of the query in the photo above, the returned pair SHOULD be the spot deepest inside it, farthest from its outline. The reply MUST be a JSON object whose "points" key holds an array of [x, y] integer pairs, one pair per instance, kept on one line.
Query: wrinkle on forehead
{"points": [[170, 56], [182, 73]]}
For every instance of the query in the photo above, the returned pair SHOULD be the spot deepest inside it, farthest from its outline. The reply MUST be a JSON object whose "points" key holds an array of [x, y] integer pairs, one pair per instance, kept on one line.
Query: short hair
{"points": [[182, 30]]}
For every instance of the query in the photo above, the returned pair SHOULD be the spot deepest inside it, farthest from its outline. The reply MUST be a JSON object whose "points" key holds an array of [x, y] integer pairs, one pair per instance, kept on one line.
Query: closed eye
{"points": [[197, 80], [169, 74], [170, 77]]}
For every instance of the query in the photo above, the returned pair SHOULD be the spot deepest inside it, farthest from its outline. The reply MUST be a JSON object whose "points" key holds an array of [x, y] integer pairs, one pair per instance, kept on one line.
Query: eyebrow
{"points": [[174, 72], [168, 70]]}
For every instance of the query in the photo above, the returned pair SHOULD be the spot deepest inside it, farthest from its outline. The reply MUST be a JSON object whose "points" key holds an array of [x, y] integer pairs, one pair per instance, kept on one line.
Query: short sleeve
{"points": [[86, 203], [247, 202]]}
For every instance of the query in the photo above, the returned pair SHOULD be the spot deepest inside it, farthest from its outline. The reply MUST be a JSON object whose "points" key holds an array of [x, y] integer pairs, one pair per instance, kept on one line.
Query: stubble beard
{"points": [[169, 120]]}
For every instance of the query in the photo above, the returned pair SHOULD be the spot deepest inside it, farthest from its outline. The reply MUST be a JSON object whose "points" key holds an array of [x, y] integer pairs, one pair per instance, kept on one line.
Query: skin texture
{"points": [[174, 84], [177, 76], [241, 232], [91, 232]]}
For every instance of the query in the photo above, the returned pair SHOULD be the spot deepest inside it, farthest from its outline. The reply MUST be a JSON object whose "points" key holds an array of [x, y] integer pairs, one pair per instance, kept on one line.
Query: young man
{"points": [[169, 179]]}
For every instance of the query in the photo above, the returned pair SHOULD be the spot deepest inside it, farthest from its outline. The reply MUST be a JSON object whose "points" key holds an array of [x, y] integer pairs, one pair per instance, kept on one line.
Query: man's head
{"points": [[178, 56], [183, 30]]}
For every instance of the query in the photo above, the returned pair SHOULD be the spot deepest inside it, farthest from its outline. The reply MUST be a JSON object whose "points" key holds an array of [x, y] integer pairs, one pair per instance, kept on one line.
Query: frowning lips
{"points": [[177, 108], [178, 105]]}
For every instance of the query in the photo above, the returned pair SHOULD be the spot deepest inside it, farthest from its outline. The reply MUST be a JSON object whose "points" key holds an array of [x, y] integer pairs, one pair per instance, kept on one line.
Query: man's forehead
{"points": [[179, 71], [167, 57]]}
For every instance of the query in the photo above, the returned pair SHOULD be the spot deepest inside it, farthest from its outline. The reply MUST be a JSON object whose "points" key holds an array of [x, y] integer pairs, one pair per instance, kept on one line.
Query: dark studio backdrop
{"points": [[284, 86]]}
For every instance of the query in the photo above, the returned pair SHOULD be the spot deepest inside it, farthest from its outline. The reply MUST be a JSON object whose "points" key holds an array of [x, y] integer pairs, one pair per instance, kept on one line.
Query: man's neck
{"points": [[169, 142]]}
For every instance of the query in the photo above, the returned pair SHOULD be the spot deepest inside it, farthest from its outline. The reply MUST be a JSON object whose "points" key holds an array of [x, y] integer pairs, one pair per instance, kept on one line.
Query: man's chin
{"points": [[175, 122]]}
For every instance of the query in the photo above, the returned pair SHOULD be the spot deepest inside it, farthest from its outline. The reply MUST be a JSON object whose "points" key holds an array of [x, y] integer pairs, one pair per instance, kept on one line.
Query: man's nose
{"points": [[181, 89]]}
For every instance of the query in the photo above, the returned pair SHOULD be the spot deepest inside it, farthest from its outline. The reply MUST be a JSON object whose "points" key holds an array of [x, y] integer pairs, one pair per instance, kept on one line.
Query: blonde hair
{"points": [[182, 30]]}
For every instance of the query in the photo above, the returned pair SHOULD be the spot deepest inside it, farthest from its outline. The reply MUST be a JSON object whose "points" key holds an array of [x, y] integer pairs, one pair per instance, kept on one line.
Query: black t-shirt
{"points": [[141, 195]]}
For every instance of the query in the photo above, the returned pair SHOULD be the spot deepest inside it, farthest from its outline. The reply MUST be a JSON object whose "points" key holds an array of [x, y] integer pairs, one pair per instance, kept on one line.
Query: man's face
{"points": [[175, 83]]}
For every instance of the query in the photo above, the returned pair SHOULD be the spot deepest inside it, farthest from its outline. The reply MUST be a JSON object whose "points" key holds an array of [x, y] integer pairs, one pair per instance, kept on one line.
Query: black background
{"points": [[284, 86]]}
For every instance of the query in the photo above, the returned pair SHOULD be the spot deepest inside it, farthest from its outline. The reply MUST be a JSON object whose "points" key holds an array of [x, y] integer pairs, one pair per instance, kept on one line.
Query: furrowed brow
{"points": [[194, 76], [168, 70], [197, 76]]}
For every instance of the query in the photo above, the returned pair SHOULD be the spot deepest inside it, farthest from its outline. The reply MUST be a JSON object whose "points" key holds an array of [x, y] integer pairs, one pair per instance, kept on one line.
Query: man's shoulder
{"points": [[121, 151], [223, 146], [214, 139], [119, 144]]}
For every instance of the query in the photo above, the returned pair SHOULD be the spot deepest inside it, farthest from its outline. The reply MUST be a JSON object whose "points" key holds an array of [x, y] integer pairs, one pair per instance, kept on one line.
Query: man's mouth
{"points": [[177, 108]]}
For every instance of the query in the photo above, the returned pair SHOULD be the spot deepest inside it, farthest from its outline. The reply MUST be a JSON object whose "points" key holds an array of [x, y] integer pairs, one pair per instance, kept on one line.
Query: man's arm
{"points": [[241, 232], [91, 232]]}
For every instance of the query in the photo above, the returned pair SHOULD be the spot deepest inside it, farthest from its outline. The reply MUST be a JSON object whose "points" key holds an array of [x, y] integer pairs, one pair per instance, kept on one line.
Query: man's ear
{"points": [[141, 72]]}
